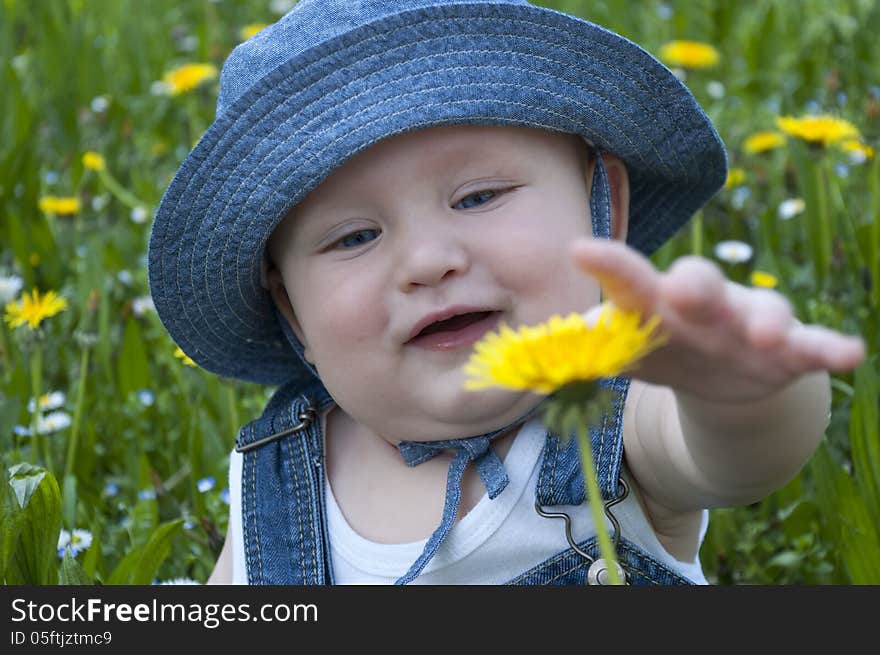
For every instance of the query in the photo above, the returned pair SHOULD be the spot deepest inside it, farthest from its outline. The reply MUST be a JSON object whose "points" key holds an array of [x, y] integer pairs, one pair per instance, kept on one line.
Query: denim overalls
{"points": [[284, 516], [284, 521]]}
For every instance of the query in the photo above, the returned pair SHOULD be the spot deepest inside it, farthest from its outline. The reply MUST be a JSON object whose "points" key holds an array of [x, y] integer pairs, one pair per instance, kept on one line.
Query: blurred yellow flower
{"points": [[735, 177], [763, 141], [34, 259], [188, 77], [34, 309], [184, 357], [762, 279], [547, 356], [248, 31], [819, 130], [689, 54], [61, 206], [94, 161]]}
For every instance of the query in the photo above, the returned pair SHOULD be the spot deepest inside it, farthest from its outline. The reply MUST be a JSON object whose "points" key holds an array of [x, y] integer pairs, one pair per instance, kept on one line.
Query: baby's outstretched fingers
{"points": [[627, 277], [818, 347], [695, 287], [770, 318]]}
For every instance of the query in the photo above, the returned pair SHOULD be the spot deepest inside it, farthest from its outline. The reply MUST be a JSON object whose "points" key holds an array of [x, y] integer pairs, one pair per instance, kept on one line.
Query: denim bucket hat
{"points": [[333, 77]]}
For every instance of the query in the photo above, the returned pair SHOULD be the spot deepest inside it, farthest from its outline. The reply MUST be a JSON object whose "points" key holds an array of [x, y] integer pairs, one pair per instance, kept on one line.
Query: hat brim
{"points": [[456, 64]]}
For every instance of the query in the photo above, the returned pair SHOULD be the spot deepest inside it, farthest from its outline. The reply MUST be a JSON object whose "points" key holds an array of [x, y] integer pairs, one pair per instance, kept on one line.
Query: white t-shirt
{"points": [[493, 543]]}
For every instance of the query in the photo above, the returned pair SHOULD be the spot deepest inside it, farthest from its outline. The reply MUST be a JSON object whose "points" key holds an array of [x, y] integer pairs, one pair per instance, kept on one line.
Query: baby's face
{"points": [[447, 220]]}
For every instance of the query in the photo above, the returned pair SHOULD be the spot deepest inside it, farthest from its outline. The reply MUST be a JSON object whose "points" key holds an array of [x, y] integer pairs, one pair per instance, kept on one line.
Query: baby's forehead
{"points": [[448, 148]]}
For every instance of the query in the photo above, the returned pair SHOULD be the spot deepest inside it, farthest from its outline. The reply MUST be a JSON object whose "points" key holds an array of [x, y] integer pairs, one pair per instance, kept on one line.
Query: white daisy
{"points": [[139, 215], [99, 104], [99, 202], [51, 400], [791, 208], [53, 422], [178, 581], [9, 287], [74, 541], [715, 89], [141, 305], [733, 252], [281, 6]]}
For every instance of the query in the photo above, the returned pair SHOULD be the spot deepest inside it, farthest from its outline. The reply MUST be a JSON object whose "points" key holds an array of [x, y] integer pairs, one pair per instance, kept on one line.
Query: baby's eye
{"points": [[356, 239], [476, 199]]}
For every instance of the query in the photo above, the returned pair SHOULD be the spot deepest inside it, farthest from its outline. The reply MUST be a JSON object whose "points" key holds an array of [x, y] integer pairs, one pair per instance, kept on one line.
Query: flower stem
{"points": [[606, 550], [5, 354], [697, 233], [77, 413], [824, 227], [122, 194], [874, 250], [233, 412], [36, 369]]}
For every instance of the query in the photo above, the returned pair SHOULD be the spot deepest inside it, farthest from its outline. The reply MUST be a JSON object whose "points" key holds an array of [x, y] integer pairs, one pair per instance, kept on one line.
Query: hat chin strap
{"points": [[477, 449]]}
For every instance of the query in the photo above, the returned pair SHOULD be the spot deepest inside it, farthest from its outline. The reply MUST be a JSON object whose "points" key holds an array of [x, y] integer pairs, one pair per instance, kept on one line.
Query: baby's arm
{"points": [[222, 573], [738, 398]]}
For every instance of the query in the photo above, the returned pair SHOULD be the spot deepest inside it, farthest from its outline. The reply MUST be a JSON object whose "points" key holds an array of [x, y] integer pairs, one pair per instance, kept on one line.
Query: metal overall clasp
{"points": [[305, 417], [597, 574]]}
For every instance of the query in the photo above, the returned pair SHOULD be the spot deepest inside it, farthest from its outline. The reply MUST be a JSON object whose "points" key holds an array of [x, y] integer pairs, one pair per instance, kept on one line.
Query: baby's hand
{"points": [[726, 342]]}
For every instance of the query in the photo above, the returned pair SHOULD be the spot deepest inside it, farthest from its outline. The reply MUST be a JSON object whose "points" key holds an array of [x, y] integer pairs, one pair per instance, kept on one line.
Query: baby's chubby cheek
{"points": [[546, 281], [342, 325]]}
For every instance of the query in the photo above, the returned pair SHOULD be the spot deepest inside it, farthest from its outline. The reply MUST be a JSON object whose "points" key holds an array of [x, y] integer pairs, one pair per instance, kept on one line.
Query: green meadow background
{"points": [[132, 483]]}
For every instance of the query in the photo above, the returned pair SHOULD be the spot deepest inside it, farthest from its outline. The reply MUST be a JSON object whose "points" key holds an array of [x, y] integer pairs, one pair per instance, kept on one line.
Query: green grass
{"points": [[79, 75]]}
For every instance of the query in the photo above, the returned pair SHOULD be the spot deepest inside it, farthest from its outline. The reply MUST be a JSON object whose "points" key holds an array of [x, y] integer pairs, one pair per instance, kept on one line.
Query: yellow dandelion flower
{"points": [[34, 309], [248, 31], [188, 77], [763, 141], [94, 161], [568, 356], [184, 357], [763, 279], [735, 177], [818, 130], [547, 356], [857, 150], [689, 54], [61, 206]]}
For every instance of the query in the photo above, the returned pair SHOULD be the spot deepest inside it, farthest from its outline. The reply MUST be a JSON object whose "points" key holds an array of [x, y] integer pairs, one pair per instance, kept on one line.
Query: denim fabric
{"points": [[283, 503], [568, 567], [333, 77], [282, 496]]}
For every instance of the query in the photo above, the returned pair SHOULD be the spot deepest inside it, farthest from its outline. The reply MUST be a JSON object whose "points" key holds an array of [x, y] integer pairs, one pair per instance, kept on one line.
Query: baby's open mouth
{"points": [[454, 323], [455, 332]]}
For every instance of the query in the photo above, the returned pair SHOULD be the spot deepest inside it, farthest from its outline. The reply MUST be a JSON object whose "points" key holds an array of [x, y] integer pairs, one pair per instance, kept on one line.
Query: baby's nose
{"points": [[428, 257]]}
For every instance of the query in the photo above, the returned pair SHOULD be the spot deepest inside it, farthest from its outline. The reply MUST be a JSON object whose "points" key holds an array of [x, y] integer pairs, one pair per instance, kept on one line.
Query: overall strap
{"points": [[282, 482], [561, 481]]}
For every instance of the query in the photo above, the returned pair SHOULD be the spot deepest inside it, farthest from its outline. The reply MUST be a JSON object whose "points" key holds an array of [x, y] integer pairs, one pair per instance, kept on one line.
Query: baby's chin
{"points": [[476, 413]]}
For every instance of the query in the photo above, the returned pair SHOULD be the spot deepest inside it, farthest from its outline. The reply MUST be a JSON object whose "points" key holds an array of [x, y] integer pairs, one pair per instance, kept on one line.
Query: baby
{"points": [[384, 184]]}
